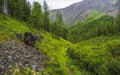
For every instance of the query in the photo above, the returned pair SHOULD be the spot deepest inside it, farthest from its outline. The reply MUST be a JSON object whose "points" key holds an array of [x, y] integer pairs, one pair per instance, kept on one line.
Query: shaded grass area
{"points": [[97, 56]]}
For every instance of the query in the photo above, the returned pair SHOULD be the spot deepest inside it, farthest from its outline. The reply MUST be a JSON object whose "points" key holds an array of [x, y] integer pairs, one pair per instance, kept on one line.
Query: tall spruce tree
{"points": [[37, 15], [19, 9], [26, 9], [13, 9], [61, 29], [46, 17], [1, 5], [118, 22]]}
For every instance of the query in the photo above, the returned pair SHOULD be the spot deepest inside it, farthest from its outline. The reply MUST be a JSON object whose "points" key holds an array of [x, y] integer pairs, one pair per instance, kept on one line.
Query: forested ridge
{"points": [[31, 43], [104, 25]]}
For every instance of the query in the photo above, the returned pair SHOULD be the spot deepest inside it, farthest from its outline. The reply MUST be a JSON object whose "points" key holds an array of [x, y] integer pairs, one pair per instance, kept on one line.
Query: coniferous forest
{"points": [[81, 39]]}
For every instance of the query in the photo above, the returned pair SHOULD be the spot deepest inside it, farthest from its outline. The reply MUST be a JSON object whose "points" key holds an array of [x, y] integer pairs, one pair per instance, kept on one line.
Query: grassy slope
{"points": [[93, 52], [97, 56], [8, 27], [54, 48]]}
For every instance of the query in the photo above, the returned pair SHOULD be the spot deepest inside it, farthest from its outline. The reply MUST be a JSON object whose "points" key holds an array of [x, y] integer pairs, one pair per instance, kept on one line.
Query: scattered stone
{"points": [[14, 54]]}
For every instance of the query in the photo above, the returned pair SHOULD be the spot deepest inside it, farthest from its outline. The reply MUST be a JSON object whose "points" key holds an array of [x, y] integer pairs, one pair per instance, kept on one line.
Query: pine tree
{"points": [[1, 5], [118, 22], [26, 9], [37, 15], [12, 6], [46, 17], [59, 19], [61, 29], [19, 9]]}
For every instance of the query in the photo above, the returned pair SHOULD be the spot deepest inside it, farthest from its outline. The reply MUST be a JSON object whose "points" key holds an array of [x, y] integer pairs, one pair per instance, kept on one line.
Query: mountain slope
{"points": [[113, 11], [82, 10], [103, 25], [52, 48], [97, 56]]}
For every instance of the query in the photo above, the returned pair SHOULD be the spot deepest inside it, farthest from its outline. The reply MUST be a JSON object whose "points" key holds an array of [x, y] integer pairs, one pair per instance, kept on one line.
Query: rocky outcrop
{"points": [[112, 11], [29, 39], [14, 54]]}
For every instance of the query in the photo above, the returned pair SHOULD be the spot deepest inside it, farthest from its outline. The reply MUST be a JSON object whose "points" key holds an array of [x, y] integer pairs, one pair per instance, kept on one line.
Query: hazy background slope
{"points": [[83, 10]]}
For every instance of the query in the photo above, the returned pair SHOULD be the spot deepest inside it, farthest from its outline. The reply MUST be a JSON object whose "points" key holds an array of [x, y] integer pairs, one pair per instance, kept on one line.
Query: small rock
{"points": [[9, 57], [14, 54]]}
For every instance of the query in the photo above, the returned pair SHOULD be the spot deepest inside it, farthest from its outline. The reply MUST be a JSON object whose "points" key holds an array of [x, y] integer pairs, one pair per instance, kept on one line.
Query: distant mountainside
{"points": [[83, 10], [118, 4], [113, 11]]}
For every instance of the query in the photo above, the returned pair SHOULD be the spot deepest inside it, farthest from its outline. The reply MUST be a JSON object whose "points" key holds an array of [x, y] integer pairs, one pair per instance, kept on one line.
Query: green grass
{"points": [[8, 27], [56, 50], [99, 56], [51, 47], [96, 56]]}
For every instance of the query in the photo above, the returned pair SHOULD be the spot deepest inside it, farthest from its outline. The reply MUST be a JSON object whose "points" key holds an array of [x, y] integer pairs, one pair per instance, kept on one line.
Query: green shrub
{"points": [[114, 48]]}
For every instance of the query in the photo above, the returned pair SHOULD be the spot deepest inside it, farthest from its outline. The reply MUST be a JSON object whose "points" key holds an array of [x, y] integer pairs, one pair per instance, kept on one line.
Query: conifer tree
{"points": [[26, 11], [46, 17], [37, 15], [1, 5], [118, 22], [19, 9]]}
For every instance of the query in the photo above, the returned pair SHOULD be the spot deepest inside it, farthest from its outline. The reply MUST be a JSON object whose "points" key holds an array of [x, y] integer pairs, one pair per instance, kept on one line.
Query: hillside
{"points": [[54, 49], [103, 25], [113, 11], [94, 27], [97, 56], [83, 10], [56, 56], [33, 44]]}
